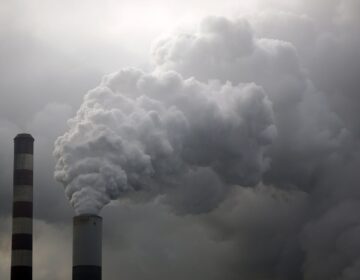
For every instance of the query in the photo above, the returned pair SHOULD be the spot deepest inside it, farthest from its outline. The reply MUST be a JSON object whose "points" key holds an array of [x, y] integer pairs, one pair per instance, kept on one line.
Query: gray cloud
{"points": [[298, 220]]}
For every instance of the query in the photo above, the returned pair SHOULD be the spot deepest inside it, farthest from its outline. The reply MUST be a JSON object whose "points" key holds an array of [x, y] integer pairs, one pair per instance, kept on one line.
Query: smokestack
{"points": [[21, 255], [87, 247]]}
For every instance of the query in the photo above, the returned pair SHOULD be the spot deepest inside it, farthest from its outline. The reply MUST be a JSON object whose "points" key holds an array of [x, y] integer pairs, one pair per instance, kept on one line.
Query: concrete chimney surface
{"points": [[87, 247], [87, 240]]}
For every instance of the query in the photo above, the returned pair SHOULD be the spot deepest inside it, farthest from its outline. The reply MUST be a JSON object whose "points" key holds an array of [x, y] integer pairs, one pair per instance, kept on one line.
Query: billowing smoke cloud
{"points": [[268, 102], [159, 133], [301, 111]]}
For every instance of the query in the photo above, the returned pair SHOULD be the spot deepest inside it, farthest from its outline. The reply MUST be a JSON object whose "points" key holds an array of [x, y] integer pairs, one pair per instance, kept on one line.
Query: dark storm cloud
{"points": [[298, 220]]}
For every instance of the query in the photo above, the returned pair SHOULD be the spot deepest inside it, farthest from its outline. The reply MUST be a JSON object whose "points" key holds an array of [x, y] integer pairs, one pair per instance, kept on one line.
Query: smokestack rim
{"points": [[87, 216], [24, 136]]}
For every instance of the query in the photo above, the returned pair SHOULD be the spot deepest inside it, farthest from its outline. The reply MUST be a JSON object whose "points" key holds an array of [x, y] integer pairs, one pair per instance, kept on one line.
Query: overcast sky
{"points": [[225, 133]]}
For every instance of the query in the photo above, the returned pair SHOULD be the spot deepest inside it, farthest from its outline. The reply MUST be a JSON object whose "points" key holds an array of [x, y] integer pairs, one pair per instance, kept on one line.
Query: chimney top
{"points": [[24, 136]]}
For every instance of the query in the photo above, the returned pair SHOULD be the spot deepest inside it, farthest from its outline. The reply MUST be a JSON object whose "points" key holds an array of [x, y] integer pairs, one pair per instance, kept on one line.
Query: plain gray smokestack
{"points": [[87, 247], [22, 227]]}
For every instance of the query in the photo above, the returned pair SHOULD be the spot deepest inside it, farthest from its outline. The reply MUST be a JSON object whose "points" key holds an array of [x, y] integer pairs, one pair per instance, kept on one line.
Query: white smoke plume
{"points": [[159, 133], [268, 102], [226, 49]]}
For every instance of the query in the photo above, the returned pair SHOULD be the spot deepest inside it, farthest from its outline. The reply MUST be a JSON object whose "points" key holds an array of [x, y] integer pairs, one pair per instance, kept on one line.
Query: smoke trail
{"points": [[162, 134]]}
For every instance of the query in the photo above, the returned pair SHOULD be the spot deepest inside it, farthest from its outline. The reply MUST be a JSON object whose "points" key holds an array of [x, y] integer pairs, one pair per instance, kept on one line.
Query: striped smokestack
{"points": [[87, 247], [21, 255]]}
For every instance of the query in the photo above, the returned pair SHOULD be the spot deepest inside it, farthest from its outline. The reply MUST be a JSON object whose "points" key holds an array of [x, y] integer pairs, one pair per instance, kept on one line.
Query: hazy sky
{"points": [[239, 130]]}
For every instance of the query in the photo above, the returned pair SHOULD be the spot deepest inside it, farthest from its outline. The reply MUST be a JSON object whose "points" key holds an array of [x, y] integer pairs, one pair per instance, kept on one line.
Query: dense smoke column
{"points": [[87, 247], [21, 260]]}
